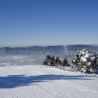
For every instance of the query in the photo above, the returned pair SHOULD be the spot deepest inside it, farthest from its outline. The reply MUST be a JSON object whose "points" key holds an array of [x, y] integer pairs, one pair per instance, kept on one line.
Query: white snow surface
{"points": [[38, 81]]}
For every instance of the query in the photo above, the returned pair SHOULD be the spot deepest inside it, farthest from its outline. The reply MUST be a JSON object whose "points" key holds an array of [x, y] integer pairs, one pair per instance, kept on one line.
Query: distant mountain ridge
{"points": [[78, 47], [31, 50], [59, 49]]}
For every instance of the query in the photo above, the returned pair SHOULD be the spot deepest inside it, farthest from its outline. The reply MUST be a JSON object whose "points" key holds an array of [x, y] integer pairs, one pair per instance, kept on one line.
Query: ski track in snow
{"points": [[38, 81]]}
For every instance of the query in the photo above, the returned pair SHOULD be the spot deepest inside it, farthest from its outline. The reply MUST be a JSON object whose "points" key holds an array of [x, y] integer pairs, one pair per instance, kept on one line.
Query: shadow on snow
{"points": [[13, 81]]}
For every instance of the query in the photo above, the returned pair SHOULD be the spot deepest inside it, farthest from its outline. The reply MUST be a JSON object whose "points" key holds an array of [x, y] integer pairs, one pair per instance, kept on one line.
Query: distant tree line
{"points": [[55, 61]]}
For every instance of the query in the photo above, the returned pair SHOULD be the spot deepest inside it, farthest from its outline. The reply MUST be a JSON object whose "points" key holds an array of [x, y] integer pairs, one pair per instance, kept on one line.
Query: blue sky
{"points": [[48, 22]]}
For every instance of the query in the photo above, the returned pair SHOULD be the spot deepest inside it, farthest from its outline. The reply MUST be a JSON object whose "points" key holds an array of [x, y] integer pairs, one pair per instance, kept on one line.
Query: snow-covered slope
{"points": [[31, 81]]}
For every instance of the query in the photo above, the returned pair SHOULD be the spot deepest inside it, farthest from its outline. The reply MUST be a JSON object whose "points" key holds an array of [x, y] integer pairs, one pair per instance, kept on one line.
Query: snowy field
{"points": [[33, 81]]}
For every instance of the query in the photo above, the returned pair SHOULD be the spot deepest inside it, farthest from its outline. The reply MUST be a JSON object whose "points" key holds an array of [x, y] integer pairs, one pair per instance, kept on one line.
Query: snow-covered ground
{"points": [[31, 81]]}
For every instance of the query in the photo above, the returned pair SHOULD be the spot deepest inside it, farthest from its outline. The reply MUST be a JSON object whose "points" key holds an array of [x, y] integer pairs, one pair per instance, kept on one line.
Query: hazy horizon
{"points": [[43, 45]]}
